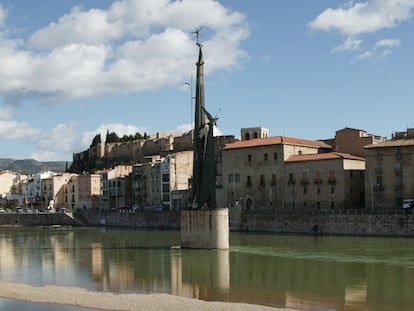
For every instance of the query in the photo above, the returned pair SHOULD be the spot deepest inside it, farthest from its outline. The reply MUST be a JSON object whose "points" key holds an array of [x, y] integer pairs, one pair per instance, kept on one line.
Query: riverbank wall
{"points": [[359, 223], [38, 219], [356, 222]]}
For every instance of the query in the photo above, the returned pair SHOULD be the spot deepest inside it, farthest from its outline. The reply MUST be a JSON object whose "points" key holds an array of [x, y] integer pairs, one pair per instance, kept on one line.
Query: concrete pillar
{"points": [[205, 228]]}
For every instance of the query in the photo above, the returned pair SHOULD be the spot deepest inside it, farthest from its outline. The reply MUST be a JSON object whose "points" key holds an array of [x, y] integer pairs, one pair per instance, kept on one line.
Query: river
{"points": [[302, 272]]}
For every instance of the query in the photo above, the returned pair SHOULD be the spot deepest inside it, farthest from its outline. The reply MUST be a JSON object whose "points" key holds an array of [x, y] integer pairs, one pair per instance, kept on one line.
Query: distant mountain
{"points": [[31, 166]]}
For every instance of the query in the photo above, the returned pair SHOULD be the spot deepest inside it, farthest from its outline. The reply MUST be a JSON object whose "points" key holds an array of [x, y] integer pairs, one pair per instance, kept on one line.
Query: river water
{"points": [[303, 272]]}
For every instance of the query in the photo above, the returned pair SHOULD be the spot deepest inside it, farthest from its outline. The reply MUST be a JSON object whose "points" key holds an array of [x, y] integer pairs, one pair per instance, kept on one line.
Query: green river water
{"points": [[302, 272]]}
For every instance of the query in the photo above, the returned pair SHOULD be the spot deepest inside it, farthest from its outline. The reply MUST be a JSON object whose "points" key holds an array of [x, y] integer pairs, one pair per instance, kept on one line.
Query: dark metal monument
{"points": [[204, 164], [204, 225]]}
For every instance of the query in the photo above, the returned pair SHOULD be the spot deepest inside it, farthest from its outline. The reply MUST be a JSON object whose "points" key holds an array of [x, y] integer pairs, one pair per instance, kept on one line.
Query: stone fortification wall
{"points": [[125, 151]]}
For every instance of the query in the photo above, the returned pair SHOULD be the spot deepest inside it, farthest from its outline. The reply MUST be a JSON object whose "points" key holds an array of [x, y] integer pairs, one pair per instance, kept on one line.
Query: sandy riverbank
{"points": [[110, 301]]}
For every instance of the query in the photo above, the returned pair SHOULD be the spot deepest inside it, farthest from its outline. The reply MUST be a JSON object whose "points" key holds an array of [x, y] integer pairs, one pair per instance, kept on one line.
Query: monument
{"points": [[204, 224]]}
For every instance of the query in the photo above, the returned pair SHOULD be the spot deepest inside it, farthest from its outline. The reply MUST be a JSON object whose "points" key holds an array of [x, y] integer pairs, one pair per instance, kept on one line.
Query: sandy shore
{"points": [[110, 301]]}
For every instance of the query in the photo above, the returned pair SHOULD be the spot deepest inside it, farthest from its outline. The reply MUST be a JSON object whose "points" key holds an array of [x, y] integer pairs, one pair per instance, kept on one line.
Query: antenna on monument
{"points": [[197, 31]]}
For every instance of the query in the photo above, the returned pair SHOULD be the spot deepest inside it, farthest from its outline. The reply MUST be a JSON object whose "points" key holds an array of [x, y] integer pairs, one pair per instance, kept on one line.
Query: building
{"points": [[84, 191], [52, 186], [325, 181], [390, 171], [113, 187], [163, 182], [7, 181], [353, 141], [254, 172]]}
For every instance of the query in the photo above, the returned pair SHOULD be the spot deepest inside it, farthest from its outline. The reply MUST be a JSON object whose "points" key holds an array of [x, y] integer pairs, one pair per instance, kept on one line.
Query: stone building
{"points": [[254, 172], [324, 181], [390, 171]]}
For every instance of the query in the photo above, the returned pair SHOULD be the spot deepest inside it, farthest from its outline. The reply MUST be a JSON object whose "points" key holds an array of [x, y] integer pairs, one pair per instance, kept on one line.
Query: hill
{"points": [[30, 166]]}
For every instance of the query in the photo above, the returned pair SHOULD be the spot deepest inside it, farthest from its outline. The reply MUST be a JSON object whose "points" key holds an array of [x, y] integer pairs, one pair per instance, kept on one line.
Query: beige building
{"points": [[163, 182], [390, 171], [353, 141], [84, 191], [254, 171], [113, 187], [53, 190], [325, 181], [7, 180]]}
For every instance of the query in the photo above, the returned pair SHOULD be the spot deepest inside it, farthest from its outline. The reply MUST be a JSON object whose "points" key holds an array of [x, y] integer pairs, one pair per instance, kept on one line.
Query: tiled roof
{"points": [[393, 143], [322, 156], [276, 140]]}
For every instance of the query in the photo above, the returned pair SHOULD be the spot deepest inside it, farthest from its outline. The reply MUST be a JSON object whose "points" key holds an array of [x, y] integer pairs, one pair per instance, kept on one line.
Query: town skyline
{"points": [[75, 69]]}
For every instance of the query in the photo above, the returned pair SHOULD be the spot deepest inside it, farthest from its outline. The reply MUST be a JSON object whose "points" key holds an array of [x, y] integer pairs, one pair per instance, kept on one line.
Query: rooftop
{"points": [[323, 156], [392, 143], [276, 140]]}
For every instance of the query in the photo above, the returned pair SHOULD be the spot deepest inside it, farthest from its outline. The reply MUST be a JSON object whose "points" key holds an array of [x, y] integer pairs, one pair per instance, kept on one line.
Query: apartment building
{"points": [[6, 181], [390, 171], [353, 141], [113, 187], [325, 181], [254, 171], [52, 192], [163, 182], [84, 191]]}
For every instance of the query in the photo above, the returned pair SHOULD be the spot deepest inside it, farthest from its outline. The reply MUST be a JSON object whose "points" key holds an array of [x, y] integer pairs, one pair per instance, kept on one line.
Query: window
{"points": [[274, 179], [318, 190], [237, 178], [165, 177], [249, 157], [275, 156], [262, 180], [230, 178], [305, 190], [265, 156], [332, 190], [249, 181]]}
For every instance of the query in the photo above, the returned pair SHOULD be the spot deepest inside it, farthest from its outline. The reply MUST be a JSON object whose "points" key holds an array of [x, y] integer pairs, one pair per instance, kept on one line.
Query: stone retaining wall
{"points": [[37, 219]]}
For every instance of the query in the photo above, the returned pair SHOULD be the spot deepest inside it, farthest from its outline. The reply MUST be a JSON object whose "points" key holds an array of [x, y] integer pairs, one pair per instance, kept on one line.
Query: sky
{"points": [[71, 69]]}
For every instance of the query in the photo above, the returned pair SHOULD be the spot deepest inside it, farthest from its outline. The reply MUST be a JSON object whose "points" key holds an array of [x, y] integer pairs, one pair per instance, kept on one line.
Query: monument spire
{"points": [[204, 164]]}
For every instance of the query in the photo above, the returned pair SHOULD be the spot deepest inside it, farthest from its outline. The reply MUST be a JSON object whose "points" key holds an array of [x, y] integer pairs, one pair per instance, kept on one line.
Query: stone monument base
{"points": [[205, 228]]}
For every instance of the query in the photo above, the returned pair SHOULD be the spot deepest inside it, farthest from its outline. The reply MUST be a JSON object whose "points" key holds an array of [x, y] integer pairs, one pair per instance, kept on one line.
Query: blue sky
{"points": [[72, 69]]}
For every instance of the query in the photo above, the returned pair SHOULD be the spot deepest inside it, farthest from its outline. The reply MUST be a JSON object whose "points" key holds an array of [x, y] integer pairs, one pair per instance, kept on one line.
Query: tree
{"points": [[111, 137], [96, 140]]}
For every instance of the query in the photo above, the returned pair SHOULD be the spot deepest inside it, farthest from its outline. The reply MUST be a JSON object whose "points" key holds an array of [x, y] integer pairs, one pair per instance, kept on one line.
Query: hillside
{"points": [[31, 166]]}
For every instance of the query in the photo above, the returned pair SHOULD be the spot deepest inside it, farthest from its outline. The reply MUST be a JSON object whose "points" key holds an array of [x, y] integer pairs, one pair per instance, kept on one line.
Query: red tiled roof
{"points": [[322, 156], [276, 140]]}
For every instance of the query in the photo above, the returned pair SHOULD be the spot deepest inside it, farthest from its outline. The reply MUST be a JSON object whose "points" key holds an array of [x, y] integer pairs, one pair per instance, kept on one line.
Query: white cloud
{"points": [[132, 46], [364, 56], [387, 43], [349, 44], [356, 19], [10, 129], [364, 17]]}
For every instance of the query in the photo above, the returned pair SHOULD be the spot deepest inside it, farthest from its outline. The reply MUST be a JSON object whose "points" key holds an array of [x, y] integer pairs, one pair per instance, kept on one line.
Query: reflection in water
{"points": [[329, 273]]}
